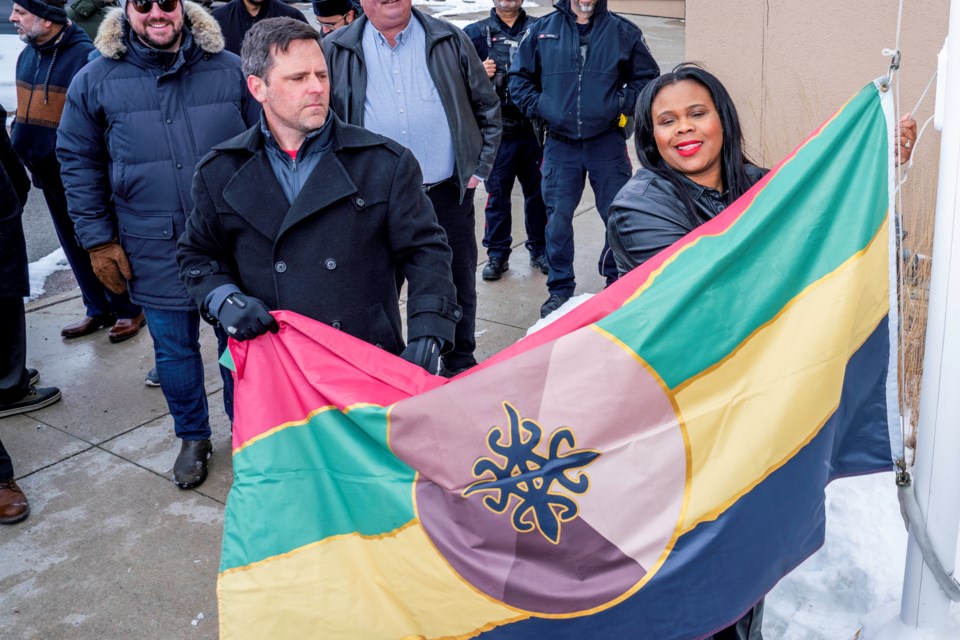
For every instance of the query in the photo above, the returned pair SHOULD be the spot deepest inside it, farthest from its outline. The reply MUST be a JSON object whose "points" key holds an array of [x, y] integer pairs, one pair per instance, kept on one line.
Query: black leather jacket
{"points": [[471, 104], [648, 215]]}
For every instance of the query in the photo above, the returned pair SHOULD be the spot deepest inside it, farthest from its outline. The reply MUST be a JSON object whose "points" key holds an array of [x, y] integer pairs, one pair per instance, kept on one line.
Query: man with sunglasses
{"points": [[238, 16], [136, 122], [334, 14]]}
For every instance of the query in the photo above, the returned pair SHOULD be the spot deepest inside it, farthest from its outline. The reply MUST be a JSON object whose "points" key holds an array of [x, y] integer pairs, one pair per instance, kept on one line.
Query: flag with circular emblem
{"points": [[648, 466]]}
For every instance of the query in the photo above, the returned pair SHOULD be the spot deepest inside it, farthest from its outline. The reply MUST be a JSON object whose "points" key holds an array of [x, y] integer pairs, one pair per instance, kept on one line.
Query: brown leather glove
{"points": [[111, 266]]}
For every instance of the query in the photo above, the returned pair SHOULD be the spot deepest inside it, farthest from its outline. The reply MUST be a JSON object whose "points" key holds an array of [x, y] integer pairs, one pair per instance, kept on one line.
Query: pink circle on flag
{"points": [[552, 482]]}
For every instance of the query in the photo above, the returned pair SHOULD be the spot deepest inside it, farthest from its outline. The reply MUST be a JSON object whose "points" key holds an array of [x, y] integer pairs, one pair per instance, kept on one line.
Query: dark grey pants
{"points": [[14, 382], [457, 219]]}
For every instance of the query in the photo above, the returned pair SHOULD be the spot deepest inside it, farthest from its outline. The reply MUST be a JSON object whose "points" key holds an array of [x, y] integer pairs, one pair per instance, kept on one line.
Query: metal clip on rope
{"points": [[894, 66]]}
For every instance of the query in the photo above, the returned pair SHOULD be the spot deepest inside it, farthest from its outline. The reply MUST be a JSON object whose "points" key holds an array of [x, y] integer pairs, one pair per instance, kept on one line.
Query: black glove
{"points": [[245, 318], [424, 352]]}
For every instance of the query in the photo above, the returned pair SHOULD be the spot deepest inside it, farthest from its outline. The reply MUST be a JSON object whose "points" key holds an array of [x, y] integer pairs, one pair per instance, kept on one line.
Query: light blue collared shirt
{"points": [[402, 101]]}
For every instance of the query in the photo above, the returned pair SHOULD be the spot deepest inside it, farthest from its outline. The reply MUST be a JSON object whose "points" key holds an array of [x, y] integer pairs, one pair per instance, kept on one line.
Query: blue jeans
{"points": [[176, 345], [566, 165], [518, 157]]}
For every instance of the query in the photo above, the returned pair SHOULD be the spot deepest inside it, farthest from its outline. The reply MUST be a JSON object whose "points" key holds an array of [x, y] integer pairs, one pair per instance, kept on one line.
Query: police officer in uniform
{"points": [[496, 40]]}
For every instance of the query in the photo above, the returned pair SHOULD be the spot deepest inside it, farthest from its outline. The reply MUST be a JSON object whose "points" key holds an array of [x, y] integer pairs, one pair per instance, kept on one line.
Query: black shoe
{"points": [[190, 469], [34, 376], [553, 303], [540, 262], [36, 398], [453, 371], [495, 267]]}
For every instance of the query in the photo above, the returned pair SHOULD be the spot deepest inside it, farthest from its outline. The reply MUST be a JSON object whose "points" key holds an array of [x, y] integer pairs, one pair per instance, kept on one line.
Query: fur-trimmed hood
{"points": [[205, 29]]}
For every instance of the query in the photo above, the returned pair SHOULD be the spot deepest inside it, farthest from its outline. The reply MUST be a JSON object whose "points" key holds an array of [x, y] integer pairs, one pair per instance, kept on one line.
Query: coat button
{"points": [[194, 272], [457, 314], [336, 324], [379, 346], [280, 267], [330, 264], [169, 121], [179, 166], [360, 202]]}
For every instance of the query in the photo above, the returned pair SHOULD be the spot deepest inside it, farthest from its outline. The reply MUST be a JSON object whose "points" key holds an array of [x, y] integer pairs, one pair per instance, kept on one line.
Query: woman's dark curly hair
{"points": [[733, 158]]}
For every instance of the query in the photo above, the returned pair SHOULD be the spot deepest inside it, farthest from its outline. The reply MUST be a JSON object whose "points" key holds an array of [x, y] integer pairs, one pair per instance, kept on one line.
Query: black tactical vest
{"points": [[502, 43]]}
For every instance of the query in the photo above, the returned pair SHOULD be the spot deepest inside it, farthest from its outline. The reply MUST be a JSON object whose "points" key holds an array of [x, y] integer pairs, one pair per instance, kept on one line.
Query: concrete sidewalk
{"points": [[112, 549]]}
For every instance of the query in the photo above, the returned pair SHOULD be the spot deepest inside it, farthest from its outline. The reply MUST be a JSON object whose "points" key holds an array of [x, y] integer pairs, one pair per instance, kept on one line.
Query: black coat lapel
{"points": [[328, 183], [256, 195]]}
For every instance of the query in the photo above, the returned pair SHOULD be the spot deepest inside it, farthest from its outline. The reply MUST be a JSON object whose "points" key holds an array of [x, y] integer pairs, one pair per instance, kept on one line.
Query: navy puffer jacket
{"points": [[135, 125], [580, 101]]}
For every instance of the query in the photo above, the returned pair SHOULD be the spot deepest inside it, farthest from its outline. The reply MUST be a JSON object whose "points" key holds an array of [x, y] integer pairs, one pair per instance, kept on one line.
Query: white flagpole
{"points": [[937, 469], [925, 608]]}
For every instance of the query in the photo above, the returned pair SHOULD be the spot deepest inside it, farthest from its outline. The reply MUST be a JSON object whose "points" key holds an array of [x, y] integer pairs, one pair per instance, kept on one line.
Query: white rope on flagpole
{"points": [[923, 96], [892, 79]]}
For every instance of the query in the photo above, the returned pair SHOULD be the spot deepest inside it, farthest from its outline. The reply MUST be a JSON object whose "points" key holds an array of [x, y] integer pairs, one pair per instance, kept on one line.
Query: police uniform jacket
{"points": [[581, 99]]}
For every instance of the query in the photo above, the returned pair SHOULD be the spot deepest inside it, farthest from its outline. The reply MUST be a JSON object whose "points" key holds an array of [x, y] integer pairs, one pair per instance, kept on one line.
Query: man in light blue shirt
{"points": [[417, 80]]}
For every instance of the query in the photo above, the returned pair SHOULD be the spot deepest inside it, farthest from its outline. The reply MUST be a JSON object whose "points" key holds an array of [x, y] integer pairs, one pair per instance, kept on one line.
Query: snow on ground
{"points": [[858, 570], [39, 270]]}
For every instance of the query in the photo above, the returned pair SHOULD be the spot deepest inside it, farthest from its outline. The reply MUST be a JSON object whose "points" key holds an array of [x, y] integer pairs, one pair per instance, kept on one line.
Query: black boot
{"points": [[190, 469]]}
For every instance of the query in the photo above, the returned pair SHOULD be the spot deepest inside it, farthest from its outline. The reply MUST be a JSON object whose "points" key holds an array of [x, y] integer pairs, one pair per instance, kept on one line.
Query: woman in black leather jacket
{"points": [[690, 144]]}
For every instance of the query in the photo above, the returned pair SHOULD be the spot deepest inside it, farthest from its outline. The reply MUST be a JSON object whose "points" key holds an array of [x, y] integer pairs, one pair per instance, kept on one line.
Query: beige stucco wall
{"points": [[789, 64], [659, 8]]}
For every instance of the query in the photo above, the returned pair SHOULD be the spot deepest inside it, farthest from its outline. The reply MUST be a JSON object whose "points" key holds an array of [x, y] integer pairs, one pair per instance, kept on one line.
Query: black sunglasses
{"points": [[143, 6]]}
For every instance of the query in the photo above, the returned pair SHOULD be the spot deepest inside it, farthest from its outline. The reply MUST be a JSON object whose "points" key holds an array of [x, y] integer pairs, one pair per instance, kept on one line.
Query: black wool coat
{"points": [[14, 185], [335, 254]]}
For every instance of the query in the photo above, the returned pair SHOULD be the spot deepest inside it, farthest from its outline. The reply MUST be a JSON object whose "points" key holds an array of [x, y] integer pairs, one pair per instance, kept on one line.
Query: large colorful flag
{"points": [[648, 466]]}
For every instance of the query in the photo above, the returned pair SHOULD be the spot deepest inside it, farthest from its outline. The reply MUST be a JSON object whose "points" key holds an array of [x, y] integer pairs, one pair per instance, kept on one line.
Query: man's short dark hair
{"points": [[267, 36]]}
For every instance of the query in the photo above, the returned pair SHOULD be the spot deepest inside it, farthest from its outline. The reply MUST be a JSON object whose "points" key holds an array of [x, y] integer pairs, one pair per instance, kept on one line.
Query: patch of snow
{"points": [[859, 567], [39, 270]]}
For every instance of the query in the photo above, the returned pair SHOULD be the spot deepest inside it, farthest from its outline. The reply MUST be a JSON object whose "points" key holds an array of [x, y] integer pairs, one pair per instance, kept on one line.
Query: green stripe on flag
{"points": [[331, 475], [836, 195], [226, 360]]}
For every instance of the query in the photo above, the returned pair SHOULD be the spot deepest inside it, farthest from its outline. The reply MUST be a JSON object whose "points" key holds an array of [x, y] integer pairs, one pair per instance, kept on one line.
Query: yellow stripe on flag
{"points": [[750, 414], [382, 586]]}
